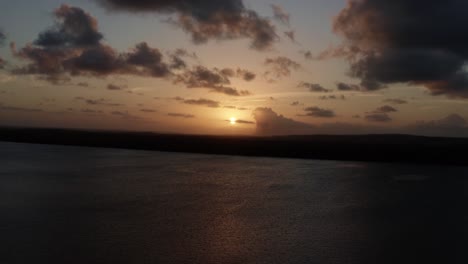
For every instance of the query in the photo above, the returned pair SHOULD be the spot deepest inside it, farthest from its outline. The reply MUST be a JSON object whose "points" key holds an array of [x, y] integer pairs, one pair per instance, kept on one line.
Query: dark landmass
{"points": [[376, 148]]}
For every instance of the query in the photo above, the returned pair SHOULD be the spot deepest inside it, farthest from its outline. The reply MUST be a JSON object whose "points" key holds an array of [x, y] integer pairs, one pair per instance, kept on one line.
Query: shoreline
{"points": [[366, 148]]}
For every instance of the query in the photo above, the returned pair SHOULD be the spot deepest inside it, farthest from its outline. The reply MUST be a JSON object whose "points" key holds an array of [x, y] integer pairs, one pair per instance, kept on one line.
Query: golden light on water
{"points": [[232, 120]]}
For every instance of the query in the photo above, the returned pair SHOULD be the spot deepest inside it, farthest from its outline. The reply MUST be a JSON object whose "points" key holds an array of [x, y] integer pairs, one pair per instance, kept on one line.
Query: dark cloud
{"points": [[281, 67], [347, 87], [73, 28], [385, 109], [332, 97], [114, 87], [207, 19], [242, 108], [280, 15], [313, 87], [395, 101], [413, 42], [73, 47], [246, 75], [181, 115], [378, 117], [203, 102], [270, 123], [318, 112], [100, 101], [295, 103], [149, 59], [215, 80], [230, 107]]}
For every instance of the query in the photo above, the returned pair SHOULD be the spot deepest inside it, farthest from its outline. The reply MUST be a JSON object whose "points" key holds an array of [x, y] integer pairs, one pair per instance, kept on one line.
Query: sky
{"points": [[236, 67]]}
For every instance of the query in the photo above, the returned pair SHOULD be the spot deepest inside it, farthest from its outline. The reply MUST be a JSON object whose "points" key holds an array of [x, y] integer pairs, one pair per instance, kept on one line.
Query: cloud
{"points": [[73, 28], [319, 112], [291, 35], [385, 109], [91, 111], [313, 87], [114, 87], [452, 125], [214, 80], [295, 103], [207, 19], [378, 117], [148, 110], [82, 84], [270, 123], [280, 15], [181, 115], [19, 109], [347, 87], [246, 75], [332, 97], [395, 101], [243, 122], [2, 38], [203, 102], [412, 42], [73, 46], [281, 67], [100, 101]]}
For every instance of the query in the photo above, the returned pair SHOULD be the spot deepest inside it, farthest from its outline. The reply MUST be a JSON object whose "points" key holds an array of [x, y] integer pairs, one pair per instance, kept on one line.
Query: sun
{"points": [[232, 120]]}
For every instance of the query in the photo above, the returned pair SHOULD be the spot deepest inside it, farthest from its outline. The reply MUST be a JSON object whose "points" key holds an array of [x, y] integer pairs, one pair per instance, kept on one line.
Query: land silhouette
{"points": [[376, 148]]}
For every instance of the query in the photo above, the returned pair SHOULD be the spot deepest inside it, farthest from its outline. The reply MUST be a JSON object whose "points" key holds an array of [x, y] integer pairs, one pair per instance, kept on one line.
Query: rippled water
{"points": [[88, 205]]}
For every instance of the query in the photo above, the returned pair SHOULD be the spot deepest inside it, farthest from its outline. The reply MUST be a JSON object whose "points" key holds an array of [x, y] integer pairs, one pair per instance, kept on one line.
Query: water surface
{"points": [[87, 205]]}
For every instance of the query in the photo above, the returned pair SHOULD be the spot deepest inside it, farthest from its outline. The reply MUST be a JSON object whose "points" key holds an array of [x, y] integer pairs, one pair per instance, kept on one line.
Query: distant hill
{"points": [[379, 148]]}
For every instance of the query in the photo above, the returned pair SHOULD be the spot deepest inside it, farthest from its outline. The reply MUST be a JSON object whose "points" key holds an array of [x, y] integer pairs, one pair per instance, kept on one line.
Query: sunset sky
{"points": [[277, 67]]}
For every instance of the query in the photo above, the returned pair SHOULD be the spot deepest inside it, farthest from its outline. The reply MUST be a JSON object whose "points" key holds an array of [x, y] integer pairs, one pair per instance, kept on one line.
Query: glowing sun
{"points": [[232, 120]]}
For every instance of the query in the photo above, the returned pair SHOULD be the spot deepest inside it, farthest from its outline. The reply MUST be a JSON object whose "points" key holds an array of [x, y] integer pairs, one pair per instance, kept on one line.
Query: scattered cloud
{"points": [[395, 101], [313, 87], [280, 15], [347, 87], [114, 87], [215, 80], [19, 109], [100, 101], [203, 102], [318, 112], [280, 67], [332, 97], [385, 109], [181, 115], [378, 117], [207, 19], [145, 110]]}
